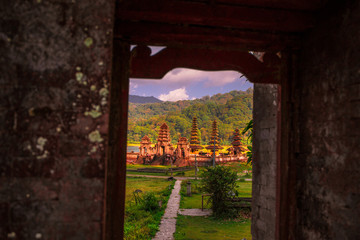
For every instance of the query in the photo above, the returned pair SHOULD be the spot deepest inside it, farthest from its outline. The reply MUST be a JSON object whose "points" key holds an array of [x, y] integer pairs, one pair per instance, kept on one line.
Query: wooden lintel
{"points": [[142, 65], [204, 14], [220, 38], [278, 4]]}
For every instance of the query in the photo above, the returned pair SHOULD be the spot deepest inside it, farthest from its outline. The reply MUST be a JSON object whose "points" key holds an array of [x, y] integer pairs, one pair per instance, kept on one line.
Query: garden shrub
{"points": [[220, 182], [150, 202]]}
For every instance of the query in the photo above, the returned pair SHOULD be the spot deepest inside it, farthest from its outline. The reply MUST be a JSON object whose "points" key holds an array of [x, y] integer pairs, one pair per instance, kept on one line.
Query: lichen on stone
{"points": [[95, 136], [41, 143], [88, 42], [44, 155], [93, 88], [93, 149], [104, 92], [79, 76], [94, 113]]}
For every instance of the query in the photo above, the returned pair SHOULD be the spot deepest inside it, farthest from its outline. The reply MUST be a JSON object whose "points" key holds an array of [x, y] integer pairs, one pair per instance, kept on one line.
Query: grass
{"points": [[145, 173], [136, 166], [133, 144], [236, 166], [244, 189], [155, 185], [142, 223], [193, 228]]}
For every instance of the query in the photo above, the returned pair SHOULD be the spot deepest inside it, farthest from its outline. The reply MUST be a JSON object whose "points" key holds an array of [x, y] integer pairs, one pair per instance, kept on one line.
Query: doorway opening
{"points": [[232, 109], [252, 66]]}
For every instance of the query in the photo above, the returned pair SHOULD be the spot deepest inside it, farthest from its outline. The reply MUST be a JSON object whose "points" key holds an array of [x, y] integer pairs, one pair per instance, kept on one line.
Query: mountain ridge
{"points": [[142, 99]]}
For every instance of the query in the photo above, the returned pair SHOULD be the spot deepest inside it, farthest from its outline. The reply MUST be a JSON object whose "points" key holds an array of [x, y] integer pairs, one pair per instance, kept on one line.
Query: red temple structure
{"points": [[145, 146], [194, 140], [237, 147], [183, 148], [163, 145], [214, 140]]}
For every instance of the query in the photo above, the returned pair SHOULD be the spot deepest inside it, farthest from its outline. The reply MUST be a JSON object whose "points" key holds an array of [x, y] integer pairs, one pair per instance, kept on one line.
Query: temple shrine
{"points": [[164, 153], [183, 148], [237, 147], [214, 140], [163, 145], [145, 146], [194, 140]]}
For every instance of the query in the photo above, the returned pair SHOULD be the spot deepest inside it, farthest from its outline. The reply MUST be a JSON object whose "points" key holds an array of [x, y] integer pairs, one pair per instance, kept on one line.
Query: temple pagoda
{"points": [[194, 140], [145, 146], [237, 147], [214, 140], [163, 145]]}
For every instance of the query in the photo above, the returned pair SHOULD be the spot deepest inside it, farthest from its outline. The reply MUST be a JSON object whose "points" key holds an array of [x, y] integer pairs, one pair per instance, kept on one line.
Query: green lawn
{"points": [[193, 228], [244, 189], [145, 173], [236, 166], [140, 222], [155, 185], [136, 166]]}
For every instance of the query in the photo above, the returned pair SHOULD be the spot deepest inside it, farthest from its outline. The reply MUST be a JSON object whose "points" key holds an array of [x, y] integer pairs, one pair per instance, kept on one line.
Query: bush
{"points": [[150, 202], [220, 182]]}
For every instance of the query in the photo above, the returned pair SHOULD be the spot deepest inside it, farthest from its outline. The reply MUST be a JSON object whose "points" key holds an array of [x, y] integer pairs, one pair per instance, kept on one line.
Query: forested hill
{"points": [[231, 110]]}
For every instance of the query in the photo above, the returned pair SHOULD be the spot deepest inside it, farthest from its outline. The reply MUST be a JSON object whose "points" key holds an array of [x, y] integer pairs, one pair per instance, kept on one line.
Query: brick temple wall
{"points": [[328, 163], [264, 163], [55, 61]]}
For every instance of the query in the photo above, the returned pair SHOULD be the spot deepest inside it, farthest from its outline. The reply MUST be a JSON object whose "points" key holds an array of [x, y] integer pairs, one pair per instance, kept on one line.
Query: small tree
{"points": [[220, 182], [249, 128]]}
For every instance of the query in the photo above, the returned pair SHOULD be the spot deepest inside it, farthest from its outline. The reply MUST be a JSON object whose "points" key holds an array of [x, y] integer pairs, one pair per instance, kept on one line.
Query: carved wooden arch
{"points": [[143, 65]]}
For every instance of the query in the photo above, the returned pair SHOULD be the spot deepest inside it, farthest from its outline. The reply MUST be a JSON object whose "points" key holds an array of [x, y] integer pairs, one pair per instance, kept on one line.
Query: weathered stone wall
{"points": [[55, 61], [264, 161], [328, 162]]}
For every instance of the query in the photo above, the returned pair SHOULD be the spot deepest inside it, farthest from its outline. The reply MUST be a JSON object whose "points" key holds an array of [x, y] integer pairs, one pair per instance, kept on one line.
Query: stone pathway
{"points": [[168, 222], [155, 176], [195, 212]]}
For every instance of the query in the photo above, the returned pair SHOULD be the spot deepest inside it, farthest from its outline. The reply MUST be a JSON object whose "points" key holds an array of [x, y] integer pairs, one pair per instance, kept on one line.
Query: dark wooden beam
{"points": [[203, 37], [116, 154], [303, 5], [142, 65], [197, 13], [286, 167]]}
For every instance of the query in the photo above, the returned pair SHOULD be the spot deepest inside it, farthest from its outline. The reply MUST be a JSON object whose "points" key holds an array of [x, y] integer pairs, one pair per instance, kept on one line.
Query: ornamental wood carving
{"points": [[263, 70]]}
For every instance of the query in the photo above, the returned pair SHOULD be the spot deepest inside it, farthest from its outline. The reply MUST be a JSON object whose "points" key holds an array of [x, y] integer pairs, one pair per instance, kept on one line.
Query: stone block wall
{"points": [[264, 161], [55, 62], [328, 161]]}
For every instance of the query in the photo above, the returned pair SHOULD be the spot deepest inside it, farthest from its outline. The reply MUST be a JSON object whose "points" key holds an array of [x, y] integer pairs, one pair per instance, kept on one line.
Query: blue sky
{"points": [[184, 84]]}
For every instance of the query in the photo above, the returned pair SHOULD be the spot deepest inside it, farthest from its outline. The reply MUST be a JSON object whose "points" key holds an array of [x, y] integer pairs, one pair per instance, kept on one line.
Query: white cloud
{"points": [[133, 86], [175, 95], [184, 77]]}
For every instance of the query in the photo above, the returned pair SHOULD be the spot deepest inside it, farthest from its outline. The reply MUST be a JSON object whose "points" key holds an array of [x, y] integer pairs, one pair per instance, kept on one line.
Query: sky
{"points": [[187, 84]]}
